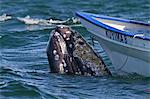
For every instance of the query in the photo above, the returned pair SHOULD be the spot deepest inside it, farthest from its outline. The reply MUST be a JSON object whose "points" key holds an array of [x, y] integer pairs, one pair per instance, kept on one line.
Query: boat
{"points": [[126, 42]]}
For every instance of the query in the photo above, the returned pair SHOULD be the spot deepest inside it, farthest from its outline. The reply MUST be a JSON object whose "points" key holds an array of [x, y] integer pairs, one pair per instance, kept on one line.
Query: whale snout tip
{"points": [[64, 30]]}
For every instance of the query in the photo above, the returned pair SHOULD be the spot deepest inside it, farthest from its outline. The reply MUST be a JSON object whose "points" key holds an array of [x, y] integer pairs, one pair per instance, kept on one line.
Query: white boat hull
{"points": [[126, 58]]}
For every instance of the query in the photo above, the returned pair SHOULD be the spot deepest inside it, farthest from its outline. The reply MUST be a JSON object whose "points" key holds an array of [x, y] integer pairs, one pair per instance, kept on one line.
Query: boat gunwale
{"points": [[88, 17]]}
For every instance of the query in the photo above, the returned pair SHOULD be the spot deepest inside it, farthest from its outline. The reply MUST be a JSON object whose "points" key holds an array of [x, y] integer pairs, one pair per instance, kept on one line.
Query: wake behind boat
{"points": [[126, 42]]}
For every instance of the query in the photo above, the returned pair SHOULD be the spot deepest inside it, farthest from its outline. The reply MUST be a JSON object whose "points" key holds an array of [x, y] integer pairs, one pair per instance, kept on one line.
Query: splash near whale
{"points": [[69, 53]]}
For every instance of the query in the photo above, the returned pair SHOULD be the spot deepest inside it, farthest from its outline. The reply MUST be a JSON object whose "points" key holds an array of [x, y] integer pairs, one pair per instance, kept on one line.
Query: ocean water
{"points": [[24, 69]]}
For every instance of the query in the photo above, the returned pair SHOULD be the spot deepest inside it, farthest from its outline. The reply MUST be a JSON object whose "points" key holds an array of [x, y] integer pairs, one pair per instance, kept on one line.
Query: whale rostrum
{"points": [[69, 53]]}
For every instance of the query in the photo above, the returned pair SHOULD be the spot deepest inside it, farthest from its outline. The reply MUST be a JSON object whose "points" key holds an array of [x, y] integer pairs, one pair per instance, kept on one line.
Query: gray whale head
{"points": [[69, 53]]}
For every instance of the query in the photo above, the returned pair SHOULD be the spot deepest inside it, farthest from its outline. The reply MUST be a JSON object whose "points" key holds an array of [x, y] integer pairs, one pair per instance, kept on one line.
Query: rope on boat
{"points": [[123, 64], [92, 38]]}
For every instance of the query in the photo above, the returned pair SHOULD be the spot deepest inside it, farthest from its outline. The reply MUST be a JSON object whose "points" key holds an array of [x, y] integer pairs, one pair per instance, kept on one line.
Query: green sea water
{"points": [[24, 68]]}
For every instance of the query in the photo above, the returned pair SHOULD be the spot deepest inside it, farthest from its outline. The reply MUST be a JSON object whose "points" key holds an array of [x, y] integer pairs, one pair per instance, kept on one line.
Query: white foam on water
{"points": [[36, 21], [5, 17], [28, 20], [39, 24], [57, 21]]}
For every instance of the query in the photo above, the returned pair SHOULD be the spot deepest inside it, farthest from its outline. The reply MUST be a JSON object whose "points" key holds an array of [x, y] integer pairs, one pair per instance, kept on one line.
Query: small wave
{"points": [[5, 17], [36, 21], [17, 88], [17, 71]]}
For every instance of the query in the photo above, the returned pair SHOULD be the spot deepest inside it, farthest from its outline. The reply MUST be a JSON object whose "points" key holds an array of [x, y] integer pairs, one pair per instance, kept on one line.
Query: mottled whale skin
{"points": [[69, 53]]}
